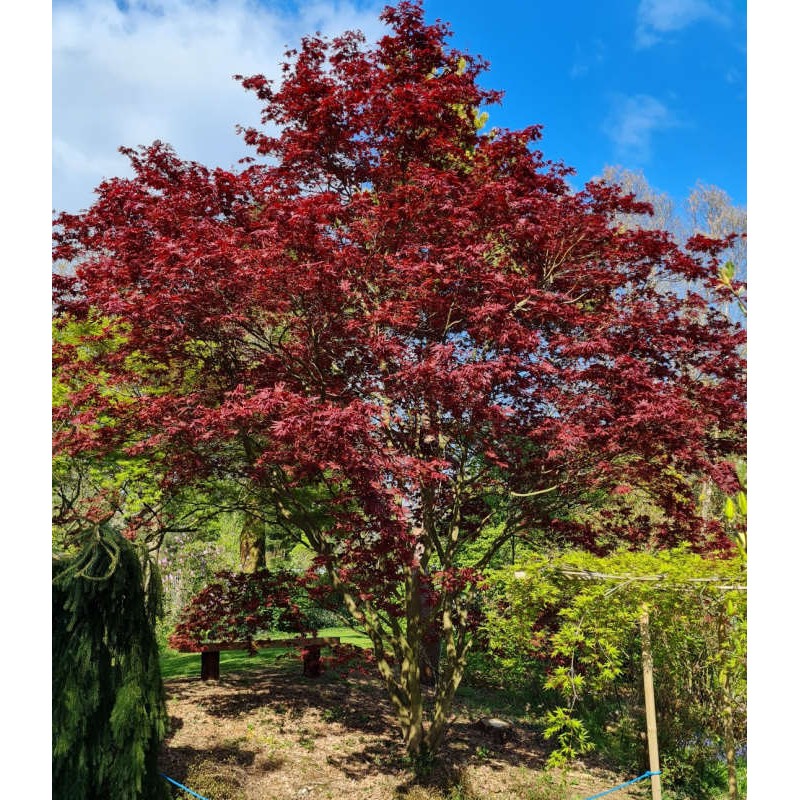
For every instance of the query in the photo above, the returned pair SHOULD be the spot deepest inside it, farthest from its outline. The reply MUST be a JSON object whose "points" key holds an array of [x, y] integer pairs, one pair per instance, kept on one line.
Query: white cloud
{"points": [[162, 69], [633, 122], [587, 59], [655, 18]]}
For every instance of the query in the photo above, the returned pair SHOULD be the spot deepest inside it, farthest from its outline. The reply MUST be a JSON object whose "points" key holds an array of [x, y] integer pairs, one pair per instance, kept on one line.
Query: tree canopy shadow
{"points": [[358, 705]]}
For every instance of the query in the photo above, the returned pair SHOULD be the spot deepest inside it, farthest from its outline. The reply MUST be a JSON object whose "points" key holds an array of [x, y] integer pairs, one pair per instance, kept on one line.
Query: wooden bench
{"points": [[209, 653]]}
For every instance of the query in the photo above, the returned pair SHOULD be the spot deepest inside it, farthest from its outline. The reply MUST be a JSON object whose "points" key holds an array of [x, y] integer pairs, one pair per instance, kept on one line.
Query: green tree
{"points": [[109, 713]]}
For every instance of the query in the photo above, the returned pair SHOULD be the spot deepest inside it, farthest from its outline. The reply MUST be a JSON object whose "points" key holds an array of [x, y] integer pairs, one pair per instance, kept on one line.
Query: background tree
{"points": [[397, 334], [665, 213]]}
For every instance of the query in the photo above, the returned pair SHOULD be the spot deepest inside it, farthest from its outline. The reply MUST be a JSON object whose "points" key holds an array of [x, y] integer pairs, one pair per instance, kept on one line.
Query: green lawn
{"points": [[187, 665]]}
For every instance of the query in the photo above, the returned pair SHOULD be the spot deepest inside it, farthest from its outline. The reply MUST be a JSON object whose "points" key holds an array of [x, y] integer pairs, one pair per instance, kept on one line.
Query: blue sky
{"points": [[656, 85], [651, 85]]}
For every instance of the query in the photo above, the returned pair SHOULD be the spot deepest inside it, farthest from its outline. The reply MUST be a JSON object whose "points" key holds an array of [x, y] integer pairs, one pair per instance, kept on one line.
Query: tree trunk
{"points": [[252, 545], [429, 657], [730, 758], [402, 673], [431, 645], [440, 717], [450, 673], [410, 673]]}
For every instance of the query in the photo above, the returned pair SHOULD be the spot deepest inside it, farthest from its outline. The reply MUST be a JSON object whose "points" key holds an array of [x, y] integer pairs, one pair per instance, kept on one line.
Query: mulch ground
{"points": [[275, 735]]}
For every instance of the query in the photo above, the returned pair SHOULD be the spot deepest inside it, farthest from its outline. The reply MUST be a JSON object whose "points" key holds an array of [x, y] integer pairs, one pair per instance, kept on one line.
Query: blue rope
{"points": [[623, 785], [181, 786]]}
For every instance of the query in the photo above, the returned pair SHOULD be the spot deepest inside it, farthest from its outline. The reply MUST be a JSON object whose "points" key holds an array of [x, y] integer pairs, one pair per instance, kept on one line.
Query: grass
{"points": [[347, 635], [187, 665]]}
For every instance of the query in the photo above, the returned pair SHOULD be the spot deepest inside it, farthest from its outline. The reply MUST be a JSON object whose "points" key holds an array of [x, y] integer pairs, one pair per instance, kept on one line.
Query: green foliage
{"points": [[548, 785], [189, 561], [215, 777], [570, 624], [735, 509], [692, 779], [726, 275], [109, 715]]}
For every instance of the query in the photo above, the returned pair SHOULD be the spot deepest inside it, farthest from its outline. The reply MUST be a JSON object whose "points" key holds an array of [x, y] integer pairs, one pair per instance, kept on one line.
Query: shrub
{"points": [[576, 616]]}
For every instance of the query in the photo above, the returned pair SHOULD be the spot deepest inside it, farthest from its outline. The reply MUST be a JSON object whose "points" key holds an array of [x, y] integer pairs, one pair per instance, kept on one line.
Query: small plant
{"points": [[333, 714], [307, 742], [462, 791], [422, 764], [212, 778], [541, 786], [482, 752]]}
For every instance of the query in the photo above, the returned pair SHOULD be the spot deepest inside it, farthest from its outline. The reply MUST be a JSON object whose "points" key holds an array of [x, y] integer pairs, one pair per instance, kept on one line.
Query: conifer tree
{"points": [[109, 714]]}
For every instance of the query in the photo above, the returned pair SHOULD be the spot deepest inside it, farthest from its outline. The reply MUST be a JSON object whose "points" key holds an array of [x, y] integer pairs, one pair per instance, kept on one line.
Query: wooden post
{"points": [[650, 702], [209, 665]]}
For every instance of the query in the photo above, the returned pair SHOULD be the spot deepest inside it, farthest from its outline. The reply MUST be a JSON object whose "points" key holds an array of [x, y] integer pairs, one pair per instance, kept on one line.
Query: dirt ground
{"points": [[275, 735]]}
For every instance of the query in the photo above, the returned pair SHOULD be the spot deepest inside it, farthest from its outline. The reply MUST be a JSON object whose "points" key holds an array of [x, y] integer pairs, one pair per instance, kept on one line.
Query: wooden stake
{"points": [[650, 702]]}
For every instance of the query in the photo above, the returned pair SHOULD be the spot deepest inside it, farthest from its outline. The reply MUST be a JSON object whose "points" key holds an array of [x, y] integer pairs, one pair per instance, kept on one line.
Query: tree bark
{"points": [[431, 645], [252, 545], [410, 678]]}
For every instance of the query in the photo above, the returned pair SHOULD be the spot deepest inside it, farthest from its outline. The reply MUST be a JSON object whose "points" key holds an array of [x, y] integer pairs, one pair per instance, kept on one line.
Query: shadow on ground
{"points": [[353, 705]]}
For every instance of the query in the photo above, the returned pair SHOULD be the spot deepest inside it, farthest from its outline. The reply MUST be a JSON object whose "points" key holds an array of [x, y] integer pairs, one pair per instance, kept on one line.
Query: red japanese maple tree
{"points": [[400, 332], [236, 607]]}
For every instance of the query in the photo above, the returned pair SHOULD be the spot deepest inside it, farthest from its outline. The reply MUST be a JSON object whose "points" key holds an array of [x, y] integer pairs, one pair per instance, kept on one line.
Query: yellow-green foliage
{"points": [[578, 614]]}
